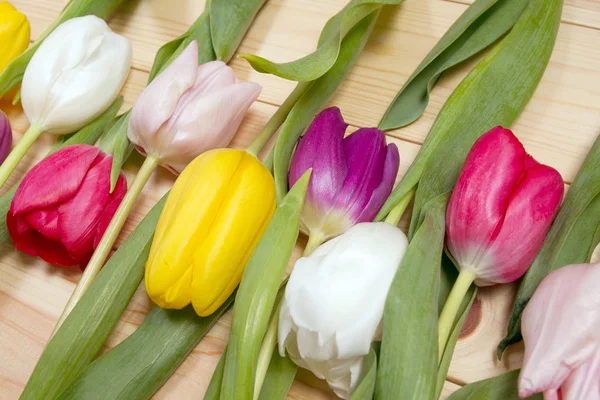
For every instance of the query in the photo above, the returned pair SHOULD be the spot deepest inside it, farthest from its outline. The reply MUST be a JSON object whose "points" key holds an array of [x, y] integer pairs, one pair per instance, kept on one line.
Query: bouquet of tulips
{"points": [[362, 308]]}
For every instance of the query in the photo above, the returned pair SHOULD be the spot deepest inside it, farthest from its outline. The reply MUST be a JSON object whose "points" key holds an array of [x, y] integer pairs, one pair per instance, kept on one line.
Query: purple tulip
{"points": [[351, 177], [5, 137]]}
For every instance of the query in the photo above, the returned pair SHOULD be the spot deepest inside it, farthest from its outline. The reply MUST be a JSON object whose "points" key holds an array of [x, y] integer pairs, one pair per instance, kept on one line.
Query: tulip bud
{"points": [[213, 219], [64, 204], [351, 177], [189, 109], [561, 330], [334, 301], [5, 135], [501, 209], [14, 34], [75, 74]]}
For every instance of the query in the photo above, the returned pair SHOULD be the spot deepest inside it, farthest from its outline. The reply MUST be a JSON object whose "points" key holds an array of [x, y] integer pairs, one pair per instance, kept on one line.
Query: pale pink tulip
{"points": [[189, 109], [561, 330]]}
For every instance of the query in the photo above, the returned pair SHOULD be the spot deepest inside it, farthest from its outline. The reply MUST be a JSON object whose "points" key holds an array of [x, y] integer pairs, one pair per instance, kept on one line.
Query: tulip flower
{"points": [[561, 330], [14, 34], [5, 136], [73, 77], [213, 219], [189, 109], [498, 216], [351, 177], [334, 301], [64, 204]]}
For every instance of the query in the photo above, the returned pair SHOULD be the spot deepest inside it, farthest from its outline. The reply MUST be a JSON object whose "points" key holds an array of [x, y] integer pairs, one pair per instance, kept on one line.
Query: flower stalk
{"points": [[10, 164]]}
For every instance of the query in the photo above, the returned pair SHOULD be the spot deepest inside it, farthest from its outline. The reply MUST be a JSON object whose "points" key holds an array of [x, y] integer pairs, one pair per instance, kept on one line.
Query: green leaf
{"points": [[492, 94], [121, 147], [409, 354], [315, 97], [142, 363], [571, 239], [477, 28], [503, 387], [279, 378], [13, 73], [88, 135], [229, 21], [87, 327], [454, 334], [329, 49], [213, 392], [258, 291], [366, 386]]}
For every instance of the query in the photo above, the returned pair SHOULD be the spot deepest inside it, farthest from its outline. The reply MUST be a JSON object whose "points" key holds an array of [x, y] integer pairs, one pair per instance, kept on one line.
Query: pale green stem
{"points": [[397, 212], [110, 236], [314, 241], [455, 299], [266, 352], [277, 119], [11, 162]]}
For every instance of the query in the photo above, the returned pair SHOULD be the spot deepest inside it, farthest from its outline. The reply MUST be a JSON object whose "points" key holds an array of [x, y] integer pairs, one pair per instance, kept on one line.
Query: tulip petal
{"points": [[21, 234], [55, 179], [584, 382], [80, 215], [109, 211], [531, 209], [46, 221], [206, 122], [561, 329], [52, 252], [5, 136], [480, 198], [157, 103]]}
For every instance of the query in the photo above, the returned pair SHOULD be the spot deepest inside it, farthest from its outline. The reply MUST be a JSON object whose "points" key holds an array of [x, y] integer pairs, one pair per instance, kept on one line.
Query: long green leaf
{"points": [[213, 392], [257, 292], [314, 99], [87, 327], [279, 378], [409, 355], [318, 63], [571, 239], [503, 387], [494, 93], [13, 74], [88, 135], [366, 386], [142, 363], [478, 27]]}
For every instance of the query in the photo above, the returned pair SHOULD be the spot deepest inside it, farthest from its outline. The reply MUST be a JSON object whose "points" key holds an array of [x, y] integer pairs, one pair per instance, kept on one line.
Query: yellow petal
{"points": [[14, 34]]}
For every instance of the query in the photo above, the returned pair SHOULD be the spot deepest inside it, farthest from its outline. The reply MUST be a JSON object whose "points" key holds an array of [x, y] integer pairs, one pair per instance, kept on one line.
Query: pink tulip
{"points": [[561, 330], [501, 209], [63, 206], [189, 109]]}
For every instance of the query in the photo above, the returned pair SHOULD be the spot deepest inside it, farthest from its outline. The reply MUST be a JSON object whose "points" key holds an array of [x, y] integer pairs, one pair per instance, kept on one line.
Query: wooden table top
{"points": [[558, 127]]}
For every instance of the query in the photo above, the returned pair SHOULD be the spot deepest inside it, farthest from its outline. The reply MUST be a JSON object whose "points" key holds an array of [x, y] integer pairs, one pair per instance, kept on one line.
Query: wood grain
{"points": [[557, 127]]}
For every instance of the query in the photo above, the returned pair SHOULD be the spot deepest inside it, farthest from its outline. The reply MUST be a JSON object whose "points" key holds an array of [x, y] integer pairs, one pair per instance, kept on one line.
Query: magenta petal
{"points": [[54, 179], [80, 215], [322, 149], [109, 211], [5, 137], [379, 196], [366, 153], [21, 234], [480, 198], [44, 221], [52, 252]]}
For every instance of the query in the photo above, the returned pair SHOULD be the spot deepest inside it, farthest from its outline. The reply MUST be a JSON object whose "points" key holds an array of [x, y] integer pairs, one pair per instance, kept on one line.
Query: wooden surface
{"points": [[558, 127]]}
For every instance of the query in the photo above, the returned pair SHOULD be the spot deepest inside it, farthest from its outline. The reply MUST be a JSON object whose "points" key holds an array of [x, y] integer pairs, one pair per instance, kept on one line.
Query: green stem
{"points": [[397, 212], [266, 352], [11, 162], [277, 119], [448, 315], [314, 241], [110, 236]]}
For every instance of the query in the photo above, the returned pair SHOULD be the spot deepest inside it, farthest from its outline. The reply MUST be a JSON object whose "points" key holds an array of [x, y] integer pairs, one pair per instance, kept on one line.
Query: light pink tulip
{"points": [[189, 109], [501, 209], [561, 330]]}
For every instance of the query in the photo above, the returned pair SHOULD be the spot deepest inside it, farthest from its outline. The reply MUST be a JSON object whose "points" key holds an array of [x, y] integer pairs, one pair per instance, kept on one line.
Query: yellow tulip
{"points": [[213, 219], [14, 34]]}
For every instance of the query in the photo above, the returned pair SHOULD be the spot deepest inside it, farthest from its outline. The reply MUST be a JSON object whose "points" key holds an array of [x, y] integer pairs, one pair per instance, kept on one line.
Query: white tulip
{"points": [[334, 302], [75, 75]]}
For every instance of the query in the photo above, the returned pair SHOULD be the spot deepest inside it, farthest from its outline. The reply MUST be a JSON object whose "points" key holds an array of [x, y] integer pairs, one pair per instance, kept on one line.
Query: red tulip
{"points": [[63, 206], [501, 209]]}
